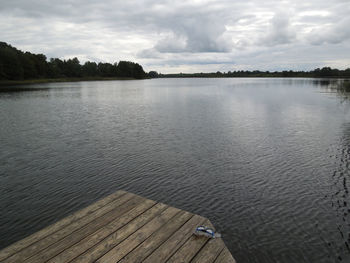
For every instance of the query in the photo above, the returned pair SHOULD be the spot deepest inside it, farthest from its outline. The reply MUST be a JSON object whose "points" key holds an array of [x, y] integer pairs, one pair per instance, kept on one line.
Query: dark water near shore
{"points": [[266, 160]]}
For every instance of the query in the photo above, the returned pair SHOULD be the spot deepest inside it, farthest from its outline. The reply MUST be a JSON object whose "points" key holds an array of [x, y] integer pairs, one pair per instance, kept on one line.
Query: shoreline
{"points": [[4, 83], [39, 81]]}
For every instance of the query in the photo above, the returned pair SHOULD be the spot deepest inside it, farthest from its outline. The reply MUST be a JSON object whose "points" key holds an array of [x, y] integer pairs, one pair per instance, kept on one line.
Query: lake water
{"points": [[266, 160]]}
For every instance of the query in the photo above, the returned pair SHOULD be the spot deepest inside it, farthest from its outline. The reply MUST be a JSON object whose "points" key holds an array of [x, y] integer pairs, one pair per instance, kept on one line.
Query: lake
{"points": [[266, 160]]}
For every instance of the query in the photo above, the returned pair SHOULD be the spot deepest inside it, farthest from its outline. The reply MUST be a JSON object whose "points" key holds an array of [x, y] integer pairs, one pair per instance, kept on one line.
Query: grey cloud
{"points": [[280, 31], [334, 34], [196, 33], [149, 53], [172, 44]]}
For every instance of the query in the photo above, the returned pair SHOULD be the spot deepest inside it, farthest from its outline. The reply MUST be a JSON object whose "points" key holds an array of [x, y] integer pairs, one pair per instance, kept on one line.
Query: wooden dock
{"points": [[122, 227]]}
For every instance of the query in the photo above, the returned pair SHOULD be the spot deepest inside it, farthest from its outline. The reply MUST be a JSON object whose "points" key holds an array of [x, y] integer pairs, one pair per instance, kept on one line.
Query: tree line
{"points": [[18, 65], [325, 72]]}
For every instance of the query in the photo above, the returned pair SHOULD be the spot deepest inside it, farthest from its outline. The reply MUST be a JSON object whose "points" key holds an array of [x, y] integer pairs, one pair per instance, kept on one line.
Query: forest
{"points": [[325, 72], [18, 65]]}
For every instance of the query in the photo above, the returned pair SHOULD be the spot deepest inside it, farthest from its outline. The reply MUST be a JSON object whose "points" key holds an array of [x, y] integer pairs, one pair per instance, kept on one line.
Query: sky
{"points": [[184, 36]]}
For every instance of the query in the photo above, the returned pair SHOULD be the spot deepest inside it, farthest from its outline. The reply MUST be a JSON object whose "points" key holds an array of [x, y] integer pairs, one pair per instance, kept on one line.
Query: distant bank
{"points": [[18, 67], [26, 67], [38, 81], [325, 72]]}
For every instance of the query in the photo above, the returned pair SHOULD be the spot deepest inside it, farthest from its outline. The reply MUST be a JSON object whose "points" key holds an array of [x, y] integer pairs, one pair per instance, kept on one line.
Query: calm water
{"points": [[267, 160]]}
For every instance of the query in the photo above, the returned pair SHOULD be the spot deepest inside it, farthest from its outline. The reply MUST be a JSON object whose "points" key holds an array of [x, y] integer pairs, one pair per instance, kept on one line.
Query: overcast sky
{"points": [[184, 36]]}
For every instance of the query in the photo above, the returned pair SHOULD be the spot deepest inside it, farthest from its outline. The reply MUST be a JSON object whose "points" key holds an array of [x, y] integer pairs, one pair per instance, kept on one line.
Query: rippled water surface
{"points": [[266, 160]]}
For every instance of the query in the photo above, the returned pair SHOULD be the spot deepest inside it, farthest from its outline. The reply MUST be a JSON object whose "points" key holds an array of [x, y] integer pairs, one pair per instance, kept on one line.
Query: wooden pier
{"points": [[122, 227]]}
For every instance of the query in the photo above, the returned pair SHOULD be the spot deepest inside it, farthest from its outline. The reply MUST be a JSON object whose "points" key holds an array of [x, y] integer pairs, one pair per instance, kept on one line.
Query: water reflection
{"points": [[339, 195], [340, 86], [267, 160], [339, 181], [7, 89]]}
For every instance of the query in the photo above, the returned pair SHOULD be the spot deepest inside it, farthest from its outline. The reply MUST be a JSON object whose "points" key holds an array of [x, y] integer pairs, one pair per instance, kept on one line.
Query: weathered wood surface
{"points": [[122, 227]]}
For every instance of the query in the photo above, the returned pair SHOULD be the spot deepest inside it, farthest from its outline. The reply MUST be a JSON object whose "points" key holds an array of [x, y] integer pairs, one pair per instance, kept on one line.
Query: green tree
{"points": [[10, 60], [72, 68], [89, 69], [106, 70], [153, 74], [130, 70], [55, 68], [29, 68], [2, 73]]}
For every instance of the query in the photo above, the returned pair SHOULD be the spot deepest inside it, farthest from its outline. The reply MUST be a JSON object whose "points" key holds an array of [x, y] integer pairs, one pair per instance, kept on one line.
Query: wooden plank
{"points": [[157, 238], [91, 240], [165, 251], [49, 240], [225, 257], [88, 229], [190, 248], [138, 237], [21, 244], [121, 228], [210, 251], [117, 237]]}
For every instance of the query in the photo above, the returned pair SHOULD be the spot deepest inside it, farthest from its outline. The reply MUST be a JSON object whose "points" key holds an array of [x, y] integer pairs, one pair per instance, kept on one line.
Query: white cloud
{"points": [[194, 35], [279, 32], [171, 44], [332, 34]]}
